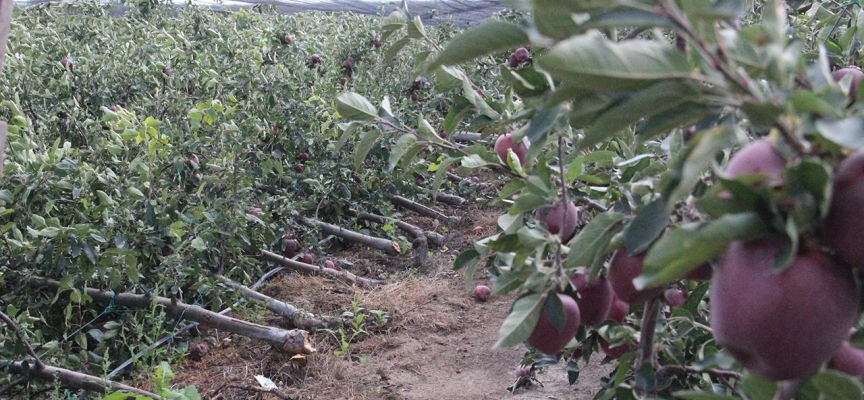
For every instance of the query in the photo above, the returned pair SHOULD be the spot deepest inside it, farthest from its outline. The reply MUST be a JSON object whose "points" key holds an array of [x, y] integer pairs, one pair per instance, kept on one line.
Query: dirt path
{"points": [[436, 346]]}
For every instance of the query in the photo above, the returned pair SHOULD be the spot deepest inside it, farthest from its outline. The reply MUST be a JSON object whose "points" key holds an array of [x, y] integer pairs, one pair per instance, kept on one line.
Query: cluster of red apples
{"points": [[778, 325]]}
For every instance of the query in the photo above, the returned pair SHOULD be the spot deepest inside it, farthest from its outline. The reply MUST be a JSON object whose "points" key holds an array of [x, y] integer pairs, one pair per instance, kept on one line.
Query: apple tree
{"points": [[709, 152]]}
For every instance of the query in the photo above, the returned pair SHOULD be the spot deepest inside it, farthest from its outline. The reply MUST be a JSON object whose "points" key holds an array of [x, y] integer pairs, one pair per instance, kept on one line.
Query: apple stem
{"points": [[786, 390], [647, 330]]}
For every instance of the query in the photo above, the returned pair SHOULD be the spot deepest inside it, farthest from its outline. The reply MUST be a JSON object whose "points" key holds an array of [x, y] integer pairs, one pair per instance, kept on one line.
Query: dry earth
{"points": [[437, 344]]}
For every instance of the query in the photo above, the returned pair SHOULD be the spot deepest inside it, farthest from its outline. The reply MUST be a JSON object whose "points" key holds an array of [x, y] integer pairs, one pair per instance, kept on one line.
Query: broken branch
{"points": [[298, 318], [385, 245], [71, 379], [295, 341], [314, 269], [422, 210]]}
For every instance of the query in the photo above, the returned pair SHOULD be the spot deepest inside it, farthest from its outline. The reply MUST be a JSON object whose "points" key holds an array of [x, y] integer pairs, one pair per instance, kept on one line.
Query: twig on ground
{"points": [[422, 210]]}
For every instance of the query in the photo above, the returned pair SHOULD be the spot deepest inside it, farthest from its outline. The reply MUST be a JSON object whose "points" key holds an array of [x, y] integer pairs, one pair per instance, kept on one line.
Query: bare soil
{"points": [[437, 344]]}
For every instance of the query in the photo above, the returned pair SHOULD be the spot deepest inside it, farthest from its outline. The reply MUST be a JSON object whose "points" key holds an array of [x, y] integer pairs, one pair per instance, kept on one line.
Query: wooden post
{"points": [[6, 7]]}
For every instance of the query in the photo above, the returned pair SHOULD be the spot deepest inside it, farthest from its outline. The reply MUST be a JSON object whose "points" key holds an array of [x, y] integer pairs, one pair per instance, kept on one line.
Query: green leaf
{"points": [[700, 152], [592, 240], [353, 106], [448, 78], [347, 134], [478, 101], [393, 22], [837, 386], [647, 226], [442, 172], [403, 144], [521, 321], [199, 244], [757, 388], [593, 62], [682, 250], [393, 50], [364, 147], [488, 38], [525, 203], [694, 395], [415, 28], [848, 132]]}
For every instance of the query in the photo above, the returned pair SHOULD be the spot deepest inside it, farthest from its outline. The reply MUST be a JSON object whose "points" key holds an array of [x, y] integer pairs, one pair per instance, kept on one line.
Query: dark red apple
{"points": [[846, 212], [512, 61], [303, 157], [613, 352], [595, 298], [329, 264], [415, 97], [341, 81], [701, 273], [505, 142], [522, 54], [556, 222], [298, 168], [758, 157], [619, 310], [274, 127], [316, 59], [308, 258], [482, 292], [781, 326], [286, 39], [67, 63], [376, 42], [856, 74], [289, 247], [198, 351], [348, 62], [675, 297], [848, 360], [623, 268], [549, 340]]}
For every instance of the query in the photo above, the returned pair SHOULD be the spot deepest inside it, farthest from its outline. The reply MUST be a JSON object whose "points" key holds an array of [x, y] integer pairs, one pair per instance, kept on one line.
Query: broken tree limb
{"points": [[23, 339], [419, 244], [298, 318], [314, 269], [449, 199], [433, 239], [71, 379], [384, 245], [295, 341], [185, 328], [466, 137], [422, 210]]}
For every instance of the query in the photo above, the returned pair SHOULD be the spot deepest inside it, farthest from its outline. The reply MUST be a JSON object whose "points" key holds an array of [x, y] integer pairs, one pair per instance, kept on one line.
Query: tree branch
{"points": [[314, 269], [14, 327], [295, 341], [423, 210], [298, 318], [72, 379], [388, 246]]}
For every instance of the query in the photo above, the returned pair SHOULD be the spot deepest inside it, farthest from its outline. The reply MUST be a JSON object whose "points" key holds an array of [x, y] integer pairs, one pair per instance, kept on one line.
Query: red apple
{"points": [[556, 222], [303, 157], [674, 297], [613, 352], [549, 340], [848, 360], [758, 157], [415, 97], [298, 168], [67, 63], [286, 39], [522, 54], [522, 371], [619, 310], [505, 142], [329, 264], [479, 230], [701, 273], [316, 59], [845, 214], [482, 292], [781, 326], [623, 268], [376, 42], [289, 247], [595, 298], [856, 74], [308, 258], [254, 211]]}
